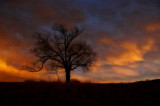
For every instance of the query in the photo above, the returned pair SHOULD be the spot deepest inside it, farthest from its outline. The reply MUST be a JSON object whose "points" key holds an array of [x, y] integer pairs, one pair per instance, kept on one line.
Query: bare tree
{"points": [[61, 50]]}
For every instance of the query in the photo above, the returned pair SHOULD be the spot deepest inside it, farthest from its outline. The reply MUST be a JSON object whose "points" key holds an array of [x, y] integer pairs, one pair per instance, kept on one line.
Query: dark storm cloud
{"points": [[20, 19]]}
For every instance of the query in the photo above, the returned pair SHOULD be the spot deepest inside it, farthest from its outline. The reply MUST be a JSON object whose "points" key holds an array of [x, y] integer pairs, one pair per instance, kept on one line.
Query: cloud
{"points": [[124, 33]]}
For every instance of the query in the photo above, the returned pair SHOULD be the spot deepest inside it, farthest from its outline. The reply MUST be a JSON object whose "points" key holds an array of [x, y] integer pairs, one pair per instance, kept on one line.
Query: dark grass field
{"points": [[42, 93]]}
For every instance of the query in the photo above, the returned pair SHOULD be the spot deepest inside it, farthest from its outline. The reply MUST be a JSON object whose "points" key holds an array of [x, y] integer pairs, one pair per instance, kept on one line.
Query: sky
{"points": [[124, 33]]}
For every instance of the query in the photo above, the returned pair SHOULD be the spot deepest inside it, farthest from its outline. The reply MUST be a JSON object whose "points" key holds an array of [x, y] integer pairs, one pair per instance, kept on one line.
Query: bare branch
{"points": [[60, 49]]}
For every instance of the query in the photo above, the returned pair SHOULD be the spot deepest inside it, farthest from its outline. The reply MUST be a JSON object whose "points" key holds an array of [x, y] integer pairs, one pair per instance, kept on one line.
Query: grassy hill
{"points": [[42, 93]]}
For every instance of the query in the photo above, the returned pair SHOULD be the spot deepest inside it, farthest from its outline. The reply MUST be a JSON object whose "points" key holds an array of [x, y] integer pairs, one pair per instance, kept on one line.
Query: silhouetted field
{"points": [[42, 93]]}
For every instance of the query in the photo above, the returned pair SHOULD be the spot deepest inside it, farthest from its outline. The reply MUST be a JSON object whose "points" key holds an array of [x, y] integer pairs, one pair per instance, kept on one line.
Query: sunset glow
{"points": [[124, 33]]}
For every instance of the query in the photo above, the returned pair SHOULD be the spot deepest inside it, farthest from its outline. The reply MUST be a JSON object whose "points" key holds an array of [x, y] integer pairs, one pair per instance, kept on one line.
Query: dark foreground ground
{"points": [[41, 93]]}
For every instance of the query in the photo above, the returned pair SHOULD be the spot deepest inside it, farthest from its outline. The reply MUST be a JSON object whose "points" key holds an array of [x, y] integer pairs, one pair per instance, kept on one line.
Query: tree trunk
{"points": [[68, 72]]}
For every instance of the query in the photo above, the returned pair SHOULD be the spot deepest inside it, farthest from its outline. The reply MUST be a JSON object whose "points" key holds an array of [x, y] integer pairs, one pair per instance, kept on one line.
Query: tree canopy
{"points": [[61, 50]]}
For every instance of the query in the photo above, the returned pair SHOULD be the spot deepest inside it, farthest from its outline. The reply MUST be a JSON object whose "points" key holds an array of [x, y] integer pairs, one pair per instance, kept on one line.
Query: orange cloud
{"points": [[124, 71], [132, 53], [153, 27], [20, 75], [105, 40]]}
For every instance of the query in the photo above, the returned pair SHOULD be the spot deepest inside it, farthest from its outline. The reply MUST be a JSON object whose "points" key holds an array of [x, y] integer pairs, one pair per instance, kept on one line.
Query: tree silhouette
{"points": [[61, 50]]}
